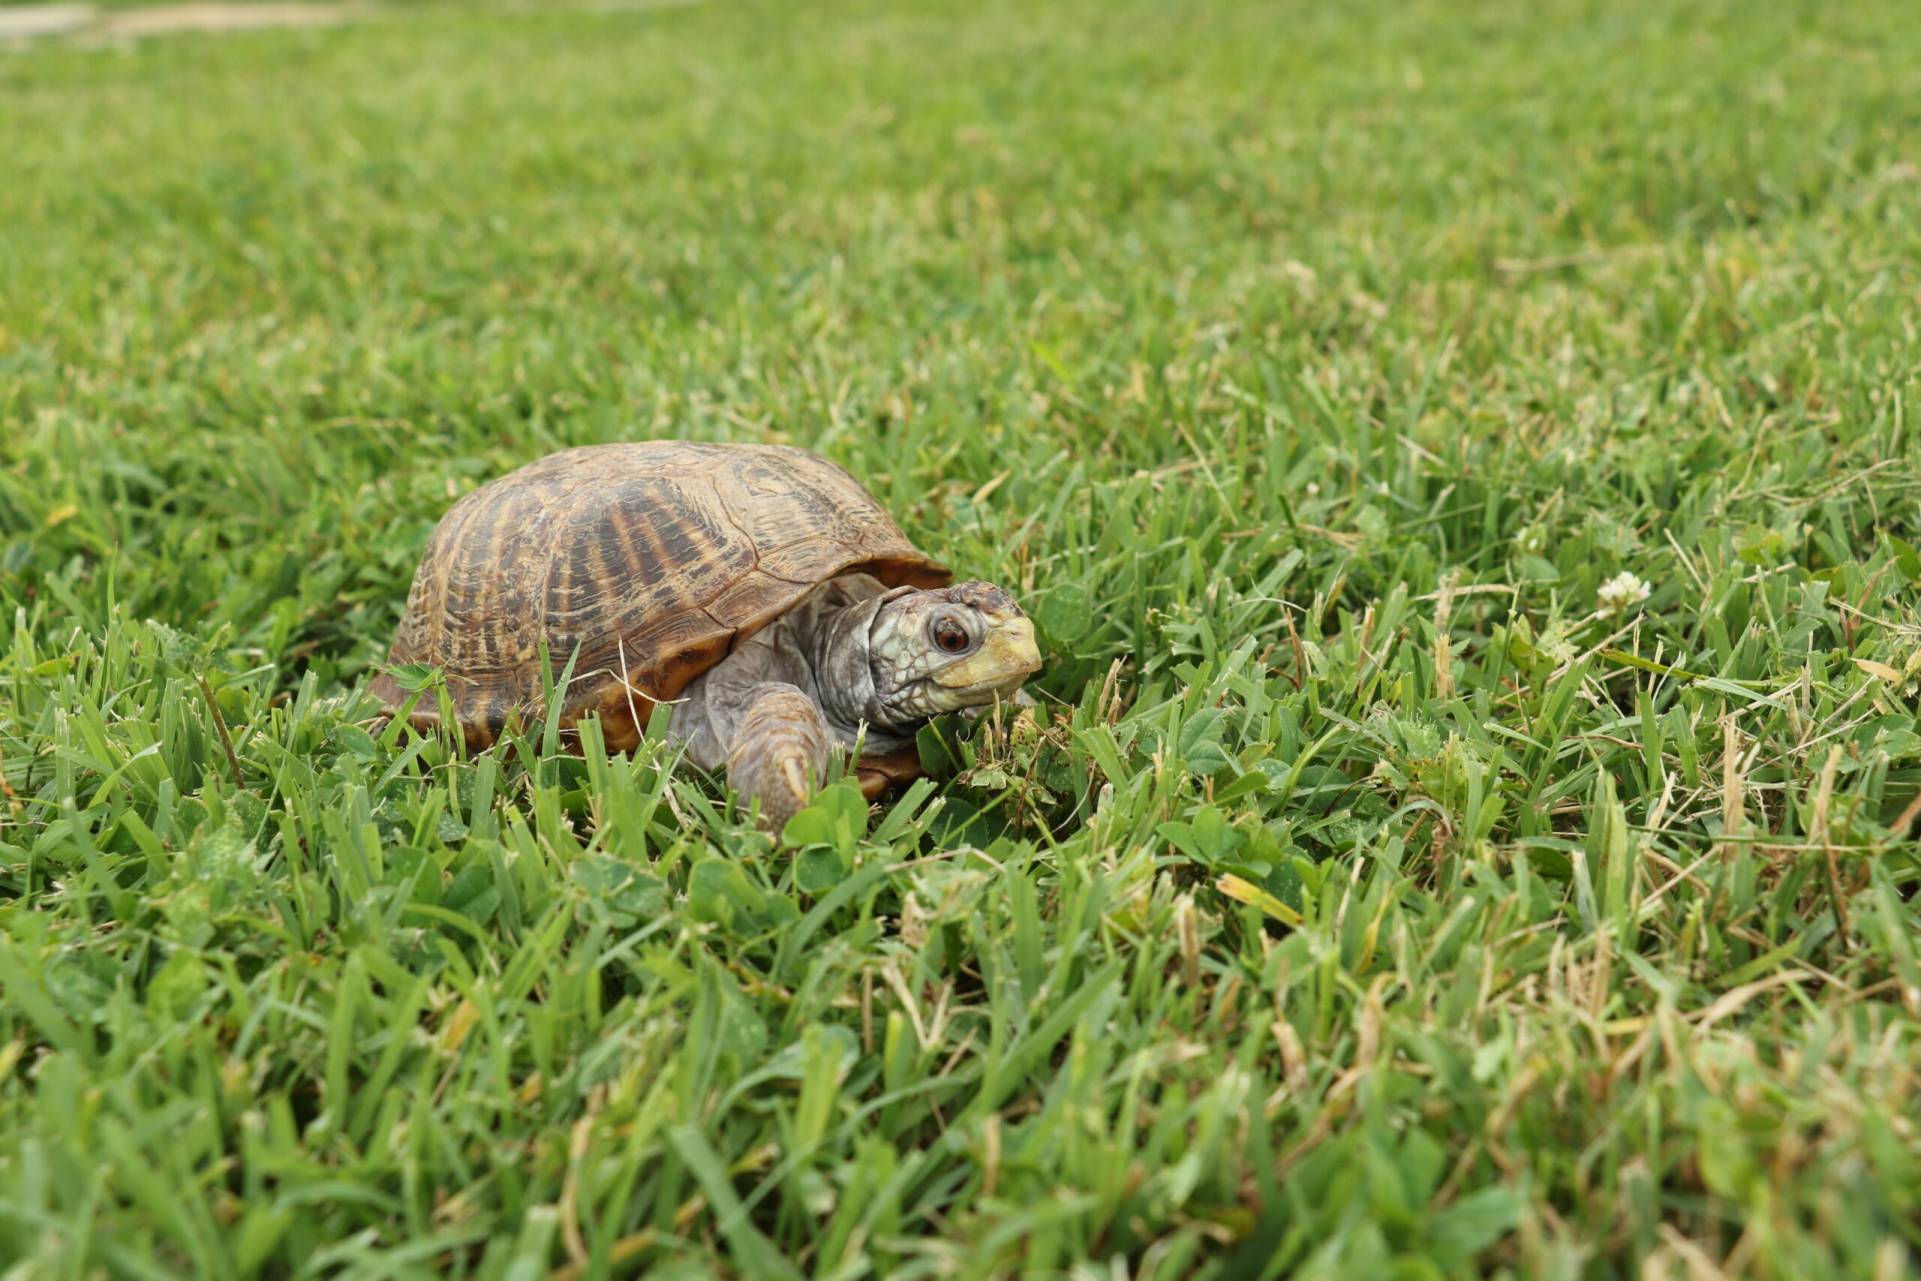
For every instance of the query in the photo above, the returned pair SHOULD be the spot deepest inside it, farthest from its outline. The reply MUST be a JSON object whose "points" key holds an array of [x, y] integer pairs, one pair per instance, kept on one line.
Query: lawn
{"points": [[1386, 885]]}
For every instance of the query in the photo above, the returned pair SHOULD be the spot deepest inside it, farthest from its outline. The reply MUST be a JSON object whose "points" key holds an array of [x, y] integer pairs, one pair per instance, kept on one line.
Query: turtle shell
{"points": [[648, 560]]}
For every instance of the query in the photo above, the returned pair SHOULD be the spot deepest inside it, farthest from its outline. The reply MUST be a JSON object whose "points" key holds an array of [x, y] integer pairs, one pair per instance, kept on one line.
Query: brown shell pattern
{"points": [[650, 559]]}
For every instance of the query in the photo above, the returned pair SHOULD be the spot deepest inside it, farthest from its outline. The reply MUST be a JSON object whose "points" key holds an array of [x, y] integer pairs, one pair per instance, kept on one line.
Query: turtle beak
{"points": [[1006, 657]]}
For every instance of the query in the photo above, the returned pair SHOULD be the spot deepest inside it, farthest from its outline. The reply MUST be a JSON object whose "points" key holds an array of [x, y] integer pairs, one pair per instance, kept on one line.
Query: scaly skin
{"points": [[854, 662], [780, 753]]}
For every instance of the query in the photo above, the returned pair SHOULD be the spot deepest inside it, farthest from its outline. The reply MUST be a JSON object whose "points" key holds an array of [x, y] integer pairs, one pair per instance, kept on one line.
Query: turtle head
{"points": [[948, 649]]}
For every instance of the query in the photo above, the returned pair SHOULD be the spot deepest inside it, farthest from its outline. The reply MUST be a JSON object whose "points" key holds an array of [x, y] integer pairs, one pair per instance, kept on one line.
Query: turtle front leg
{"points": [[779, 753]]}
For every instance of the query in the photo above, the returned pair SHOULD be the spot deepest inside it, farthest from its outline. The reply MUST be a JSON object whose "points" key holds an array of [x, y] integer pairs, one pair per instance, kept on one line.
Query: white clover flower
{"points": [[1621, 593]]}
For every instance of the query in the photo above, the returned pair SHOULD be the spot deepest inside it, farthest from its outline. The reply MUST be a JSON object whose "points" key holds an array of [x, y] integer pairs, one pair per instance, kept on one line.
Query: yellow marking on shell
{"points": [[1008, 654]]}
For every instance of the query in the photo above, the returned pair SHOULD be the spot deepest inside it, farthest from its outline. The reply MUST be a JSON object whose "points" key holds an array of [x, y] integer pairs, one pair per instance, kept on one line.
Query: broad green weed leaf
{"points": [[818, 868], [1475, 1222], [618, 891], [1208, 839], [1065, 613], [1906, 559], [720, 891], [1200, 743], [837, 817]]}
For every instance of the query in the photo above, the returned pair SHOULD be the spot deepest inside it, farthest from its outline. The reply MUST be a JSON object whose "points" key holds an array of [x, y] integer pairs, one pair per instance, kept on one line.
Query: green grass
{"points": [[1366, 899]]}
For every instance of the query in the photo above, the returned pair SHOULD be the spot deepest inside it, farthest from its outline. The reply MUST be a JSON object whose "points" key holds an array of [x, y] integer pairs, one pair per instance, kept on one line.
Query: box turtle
{"points": [[759, 590]]}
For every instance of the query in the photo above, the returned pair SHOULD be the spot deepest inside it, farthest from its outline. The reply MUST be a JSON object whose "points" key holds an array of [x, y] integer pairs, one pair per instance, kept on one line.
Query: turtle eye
{"points": [[950, 636]]}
